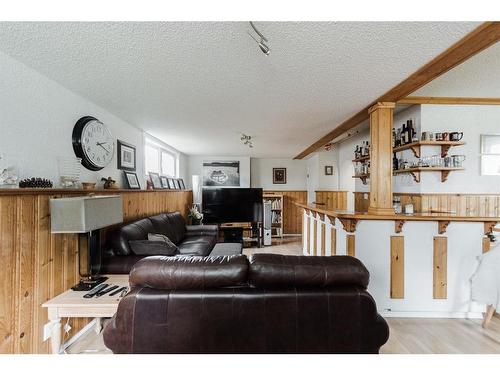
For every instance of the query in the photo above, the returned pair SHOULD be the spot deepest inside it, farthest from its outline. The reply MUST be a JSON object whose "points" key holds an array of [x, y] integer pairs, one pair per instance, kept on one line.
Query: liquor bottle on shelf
{"points": [[404, 135], [367, 149], [362, 150], [414, 137], [393, 137], [395, 162], [356, 152], [398, 138]]}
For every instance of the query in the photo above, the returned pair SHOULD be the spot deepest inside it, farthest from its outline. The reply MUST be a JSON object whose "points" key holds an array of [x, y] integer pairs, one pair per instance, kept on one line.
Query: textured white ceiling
{"points": [[477, 77], [198, 85]]}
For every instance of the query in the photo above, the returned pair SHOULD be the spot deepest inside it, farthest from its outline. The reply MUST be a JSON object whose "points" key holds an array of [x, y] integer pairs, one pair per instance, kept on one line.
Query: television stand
{"points": [[241, 232]]}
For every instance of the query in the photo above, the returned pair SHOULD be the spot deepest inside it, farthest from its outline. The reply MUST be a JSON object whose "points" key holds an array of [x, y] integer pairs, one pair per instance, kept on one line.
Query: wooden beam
{"points": [[397, 267], [439, 273], [449, 100], [476, 41]]}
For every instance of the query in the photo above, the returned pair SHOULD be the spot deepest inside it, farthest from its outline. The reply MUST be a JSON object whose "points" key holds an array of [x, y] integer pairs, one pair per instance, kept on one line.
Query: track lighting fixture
{"points": [[247, 140], [262, 42]]}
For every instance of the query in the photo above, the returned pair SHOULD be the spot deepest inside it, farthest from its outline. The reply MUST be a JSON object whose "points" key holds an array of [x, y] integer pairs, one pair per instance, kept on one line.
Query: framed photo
{"points": [[177, 185], [279, 175], [164, 182], [132, 180], [155, 180], [328, 170], [221, 173], [181, 183], [126, 156], [171, 184]]}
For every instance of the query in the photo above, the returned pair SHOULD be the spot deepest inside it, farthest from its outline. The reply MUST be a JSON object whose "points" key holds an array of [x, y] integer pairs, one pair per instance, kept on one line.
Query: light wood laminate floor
{"points": [[407, 335]]}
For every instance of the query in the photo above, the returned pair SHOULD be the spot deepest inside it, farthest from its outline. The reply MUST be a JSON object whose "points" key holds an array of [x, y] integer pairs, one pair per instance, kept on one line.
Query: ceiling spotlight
{"points": [[262, 42], [247, 140]]}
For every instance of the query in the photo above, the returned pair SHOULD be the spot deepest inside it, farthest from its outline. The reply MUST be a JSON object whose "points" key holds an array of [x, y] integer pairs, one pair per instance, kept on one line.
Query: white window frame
{"points": [[484, 153], [162, 148]]}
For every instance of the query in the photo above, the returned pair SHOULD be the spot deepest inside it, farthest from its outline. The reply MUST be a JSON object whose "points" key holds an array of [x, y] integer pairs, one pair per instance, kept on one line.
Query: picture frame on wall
{"points": [[279, 175], [132, 180], [126, 156], [328, 170], [164, 182], [155, 180], [182, 185]]}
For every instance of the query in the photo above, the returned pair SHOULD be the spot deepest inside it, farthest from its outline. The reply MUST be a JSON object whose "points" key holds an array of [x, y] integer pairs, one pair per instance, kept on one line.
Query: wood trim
{"points": [[308, 225], [476, 41], [315, 237], [448, 100], [351, 245], [333, 241], [439, 273], [397, 267]]}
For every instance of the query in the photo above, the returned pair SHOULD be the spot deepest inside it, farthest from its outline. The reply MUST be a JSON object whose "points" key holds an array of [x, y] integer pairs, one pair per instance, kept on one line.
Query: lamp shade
{"points": [[85, 214]]}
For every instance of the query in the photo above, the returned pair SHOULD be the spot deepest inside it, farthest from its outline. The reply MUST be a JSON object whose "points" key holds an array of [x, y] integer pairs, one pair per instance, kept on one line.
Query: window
{"points": [[159, 159], [490, 154]]}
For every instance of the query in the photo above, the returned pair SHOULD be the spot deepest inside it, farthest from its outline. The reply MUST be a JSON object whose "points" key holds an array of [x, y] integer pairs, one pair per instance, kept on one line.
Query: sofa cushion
{"points": [[199, 247], [147, 247], [155, 237], [137, 230], [269, 270], [184, 273]]}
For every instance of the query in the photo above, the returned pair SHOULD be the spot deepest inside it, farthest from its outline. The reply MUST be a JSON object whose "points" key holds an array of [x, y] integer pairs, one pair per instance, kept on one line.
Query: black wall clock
{"points": [[92, 142]]}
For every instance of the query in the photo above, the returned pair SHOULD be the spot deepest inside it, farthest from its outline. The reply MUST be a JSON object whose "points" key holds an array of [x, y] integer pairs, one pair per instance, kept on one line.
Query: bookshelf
{"points": [[276, 214]]}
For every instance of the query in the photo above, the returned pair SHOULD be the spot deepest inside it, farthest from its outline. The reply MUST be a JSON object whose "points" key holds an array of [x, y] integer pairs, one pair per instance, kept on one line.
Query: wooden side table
{"points": [[71, 304]]}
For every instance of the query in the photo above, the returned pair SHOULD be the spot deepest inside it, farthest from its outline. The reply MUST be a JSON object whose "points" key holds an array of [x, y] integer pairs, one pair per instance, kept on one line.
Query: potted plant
{"points": [[195, 215]]}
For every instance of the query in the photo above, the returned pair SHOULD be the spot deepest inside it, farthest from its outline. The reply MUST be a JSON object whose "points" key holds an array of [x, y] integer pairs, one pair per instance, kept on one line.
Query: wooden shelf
{"points": [[363, 177], [361, 159], [415, 172], [415, 146]]}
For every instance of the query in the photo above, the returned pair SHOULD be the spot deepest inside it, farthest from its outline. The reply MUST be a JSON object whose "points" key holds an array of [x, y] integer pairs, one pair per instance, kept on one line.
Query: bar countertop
{"points": [[419, 216]]}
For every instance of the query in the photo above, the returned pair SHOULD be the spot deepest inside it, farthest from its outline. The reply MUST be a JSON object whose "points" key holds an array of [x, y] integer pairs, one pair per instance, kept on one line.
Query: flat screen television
{"points": [[228, 205]]}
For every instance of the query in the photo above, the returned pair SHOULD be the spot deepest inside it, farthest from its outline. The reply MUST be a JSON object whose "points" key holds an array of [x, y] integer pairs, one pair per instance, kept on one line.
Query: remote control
{"points": [[118, 291], [96, 290], [106, 291]]}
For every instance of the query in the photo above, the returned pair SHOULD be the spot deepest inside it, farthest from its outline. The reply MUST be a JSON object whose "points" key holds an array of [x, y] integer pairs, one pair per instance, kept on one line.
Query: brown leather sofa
{"points": [[268, 304], [192, 240]]}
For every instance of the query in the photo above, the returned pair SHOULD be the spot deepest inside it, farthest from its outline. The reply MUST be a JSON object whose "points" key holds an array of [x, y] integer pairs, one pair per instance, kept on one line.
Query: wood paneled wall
{"points": [[332, 200], [292, 215], [38, 265], [461, 204]]}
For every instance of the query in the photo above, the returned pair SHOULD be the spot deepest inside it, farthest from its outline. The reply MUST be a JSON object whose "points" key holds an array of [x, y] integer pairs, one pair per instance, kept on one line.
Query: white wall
{"points": [[472, 121], [195, 167], [262, 173], [328, 158], [37, 116], [312, 177]]}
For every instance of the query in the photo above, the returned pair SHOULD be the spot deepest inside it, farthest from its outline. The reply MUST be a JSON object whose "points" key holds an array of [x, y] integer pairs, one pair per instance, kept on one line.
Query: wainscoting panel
{"points": [[38, 265], [397, 267], [331, 200], [292, 215]]}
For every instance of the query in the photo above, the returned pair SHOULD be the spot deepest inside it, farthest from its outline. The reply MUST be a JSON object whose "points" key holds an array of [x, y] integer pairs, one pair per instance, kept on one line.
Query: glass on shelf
{"points": [[69, 172]]}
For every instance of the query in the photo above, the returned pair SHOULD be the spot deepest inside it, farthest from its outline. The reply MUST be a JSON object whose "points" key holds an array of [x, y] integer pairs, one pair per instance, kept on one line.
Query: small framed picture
{"points": [[181, 183], [126, 156], [132, 180], [177, 185], [171, 184], [155, 180], [279, 175], [328, 170], [164, 182]]}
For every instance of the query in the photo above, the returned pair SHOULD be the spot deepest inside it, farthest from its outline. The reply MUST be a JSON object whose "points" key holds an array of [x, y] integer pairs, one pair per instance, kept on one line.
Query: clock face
{"points": [[93, 143]]}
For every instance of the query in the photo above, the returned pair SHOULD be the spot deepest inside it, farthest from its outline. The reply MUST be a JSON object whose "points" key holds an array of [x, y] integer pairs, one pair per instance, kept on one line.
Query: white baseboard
{"points": [[432, 314]]}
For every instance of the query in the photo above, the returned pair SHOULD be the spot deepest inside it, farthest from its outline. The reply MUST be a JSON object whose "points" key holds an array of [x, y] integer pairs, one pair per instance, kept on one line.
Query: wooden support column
{"points": [[333, 241], [323, 240], [381, 122], [315, 237]]}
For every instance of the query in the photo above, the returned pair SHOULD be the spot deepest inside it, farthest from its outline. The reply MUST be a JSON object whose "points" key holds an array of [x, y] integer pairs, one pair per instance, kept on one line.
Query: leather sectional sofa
{"points": [[192, 240], [266, 304]]}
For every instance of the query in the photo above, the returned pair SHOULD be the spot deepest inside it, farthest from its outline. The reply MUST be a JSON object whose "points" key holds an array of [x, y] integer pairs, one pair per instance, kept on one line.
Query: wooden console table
{"points": [[71, 304]]}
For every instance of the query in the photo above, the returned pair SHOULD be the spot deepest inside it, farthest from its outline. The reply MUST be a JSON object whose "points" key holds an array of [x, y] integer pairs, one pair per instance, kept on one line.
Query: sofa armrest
{"points": [[202, 230]]}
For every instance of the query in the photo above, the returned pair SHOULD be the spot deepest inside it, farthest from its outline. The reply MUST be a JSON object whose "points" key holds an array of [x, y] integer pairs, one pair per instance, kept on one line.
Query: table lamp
{"points": [[86, 216]]}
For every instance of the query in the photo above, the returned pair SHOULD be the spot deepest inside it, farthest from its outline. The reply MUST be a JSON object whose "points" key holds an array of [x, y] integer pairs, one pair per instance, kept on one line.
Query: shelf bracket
{"points": [[321, 216], [442, 225], [416, 176], [488, 226], [349, 224], [444, 150], [416, 150], [332, 219], [363, 179], [398, 225], [444, 175]]}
